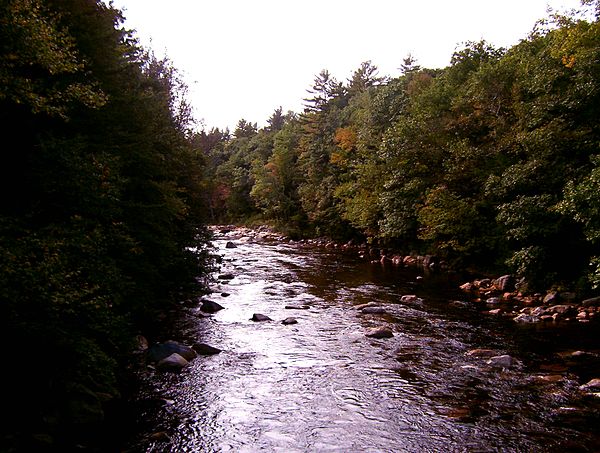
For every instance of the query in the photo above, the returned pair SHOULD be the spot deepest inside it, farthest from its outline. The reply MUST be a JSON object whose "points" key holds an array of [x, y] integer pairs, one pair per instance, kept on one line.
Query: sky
{"points": [[245, 58]]}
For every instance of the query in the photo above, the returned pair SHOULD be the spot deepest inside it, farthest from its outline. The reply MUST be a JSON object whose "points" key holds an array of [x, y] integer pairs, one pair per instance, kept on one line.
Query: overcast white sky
{"points": [[245, 58]]}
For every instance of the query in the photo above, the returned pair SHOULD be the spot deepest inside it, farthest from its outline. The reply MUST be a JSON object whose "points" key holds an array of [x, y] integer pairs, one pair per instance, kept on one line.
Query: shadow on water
{"points": [[322, 385]]}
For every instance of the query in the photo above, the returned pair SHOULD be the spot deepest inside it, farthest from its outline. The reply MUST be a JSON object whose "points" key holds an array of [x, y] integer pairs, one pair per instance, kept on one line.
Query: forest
{"points": [[101, 229], [492, 164]]}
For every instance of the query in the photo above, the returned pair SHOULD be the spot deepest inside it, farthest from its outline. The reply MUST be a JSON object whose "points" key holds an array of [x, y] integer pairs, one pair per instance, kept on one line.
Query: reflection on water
{"points": [[321, 385]]}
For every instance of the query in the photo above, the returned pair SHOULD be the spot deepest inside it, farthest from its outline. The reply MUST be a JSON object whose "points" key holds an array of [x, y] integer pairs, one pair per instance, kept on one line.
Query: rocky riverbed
{"points": [[301, 348]]}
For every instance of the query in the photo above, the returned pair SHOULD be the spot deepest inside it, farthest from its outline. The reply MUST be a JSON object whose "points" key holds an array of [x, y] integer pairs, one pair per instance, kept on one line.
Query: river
{"points": [[323, 385]]}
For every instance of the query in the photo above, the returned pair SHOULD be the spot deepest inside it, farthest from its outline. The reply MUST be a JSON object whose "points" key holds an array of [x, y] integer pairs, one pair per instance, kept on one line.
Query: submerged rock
{"points": [[226, 277], [259, 317], [379, 332], [297, 307], [289, 321]]}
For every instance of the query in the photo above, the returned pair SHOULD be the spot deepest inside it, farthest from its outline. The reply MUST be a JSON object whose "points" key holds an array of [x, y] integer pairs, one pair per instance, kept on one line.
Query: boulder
{"points": [[525, 318], [409, 260], [551, 298], [592, 302], [225, 294], [561, 311], [493, 300], [538, 311], [467, 286], [502, 361], [205, 349], [226, 277], [258, 317], [506, 283], [289, 321], [483, 283], [379, 332], [174, 362], [230, 245], [591, 386], [209, 306], [297, 307], [160, 351]]}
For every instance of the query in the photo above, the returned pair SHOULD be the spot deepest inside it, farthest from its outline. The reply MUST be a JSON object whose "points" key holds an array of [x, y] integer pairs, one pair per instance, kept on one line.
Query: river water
{"points": [[322, 385]]}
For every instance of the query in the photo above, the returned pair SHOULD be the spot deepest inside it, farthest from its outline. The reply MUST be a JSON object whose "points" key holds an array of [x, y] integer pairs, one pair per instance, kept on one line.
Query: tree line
{"points": [[101, 226], [491, 163]]}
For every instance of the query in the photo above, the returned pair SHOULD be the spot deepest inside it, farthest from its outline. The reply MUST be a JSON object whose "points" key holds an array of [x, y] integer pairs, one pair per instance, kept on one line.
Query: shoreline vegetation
{"points": [[489, 164], [492, 163]]}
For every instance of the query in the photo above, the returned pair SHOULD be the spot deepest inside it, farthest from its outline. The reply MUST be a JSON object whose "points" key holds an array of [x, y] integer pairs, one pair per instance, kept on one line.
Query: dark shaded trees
{"points": [[100, 209]]}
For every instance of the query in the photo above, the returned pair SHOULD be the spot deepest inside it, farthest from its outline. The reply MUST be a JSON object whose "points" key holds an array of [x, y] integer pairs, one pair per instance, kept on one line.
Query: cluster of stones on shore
{"points": [[503, 297]]}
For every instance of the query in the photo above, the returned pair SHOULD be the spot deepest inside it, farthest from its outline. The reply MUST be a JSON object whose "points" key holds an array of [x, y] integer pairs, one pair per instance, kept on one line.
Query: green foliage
{"points": [[101, 216], [485, 163], [582, 203], [40, 66]]}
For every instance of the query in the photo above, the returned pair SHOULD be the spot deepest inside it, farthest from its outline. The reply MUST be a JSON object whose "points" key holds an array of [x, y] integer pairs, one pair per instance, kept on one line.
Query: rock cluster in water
{"points": [[504, 297]]}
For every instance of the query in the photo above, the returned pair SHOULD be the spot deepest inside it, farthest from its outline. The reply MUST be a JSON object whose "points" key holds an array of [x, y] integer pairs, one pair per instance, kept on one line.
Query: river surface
{"points": [[322, 385]]}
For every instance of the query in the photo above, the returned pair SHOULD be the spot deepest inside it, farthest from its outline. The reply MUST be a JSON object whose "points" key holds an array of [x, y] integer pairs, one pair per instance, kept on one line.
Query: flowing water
{"points": [[322, 385]]}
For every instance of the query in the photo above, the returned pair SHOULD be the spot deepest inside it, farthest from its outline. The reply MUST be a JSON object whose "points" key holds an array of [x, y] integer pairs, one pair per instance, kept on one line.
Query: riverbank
{"points": [[503, 295]]}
